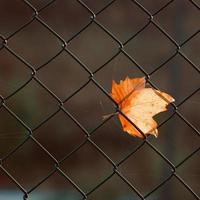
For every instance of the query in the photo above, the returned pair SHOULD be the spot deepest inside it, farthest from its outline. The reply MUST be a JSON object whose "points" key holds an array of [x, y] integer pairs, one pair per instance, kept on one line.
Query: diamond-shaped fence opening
{"points": [[58, 139]]}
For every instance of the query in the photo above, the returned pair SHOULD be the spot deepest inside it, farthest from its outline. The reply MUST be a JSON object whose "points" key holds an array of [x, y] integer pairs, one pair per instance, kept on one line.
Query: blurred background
{"points": [[145, 44]]}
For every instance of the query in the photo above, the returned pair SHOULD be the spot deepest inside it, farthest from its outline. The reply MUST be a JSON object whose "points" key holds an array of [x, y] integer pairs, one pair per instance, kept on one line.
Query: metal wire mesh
{"points": [[91, 79]]}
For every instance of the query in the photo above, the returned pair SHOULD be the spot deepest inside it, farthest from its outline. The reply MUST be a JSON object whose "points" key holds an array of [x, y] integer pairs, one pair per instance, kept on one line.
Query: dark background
{"points": [[63, 75]]}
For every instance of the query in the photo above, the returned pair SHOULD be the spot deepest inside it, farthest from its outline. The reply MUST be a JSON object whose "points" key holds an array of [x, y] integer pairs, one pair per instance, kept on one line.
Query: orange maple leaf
{"points": [[139, 105]]}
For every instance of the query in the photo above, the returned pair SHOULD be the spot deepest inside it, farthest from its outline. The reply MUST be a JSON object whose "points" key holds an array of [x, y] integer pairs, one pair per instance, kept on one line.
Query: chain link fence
{"points": [[91, 55]]}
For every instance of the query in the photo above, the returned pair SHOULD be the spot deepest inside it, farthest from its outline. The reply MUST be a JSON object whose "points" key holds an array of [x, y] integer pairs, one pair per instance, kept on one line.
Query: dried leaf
{"points": [[139, 105]]}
